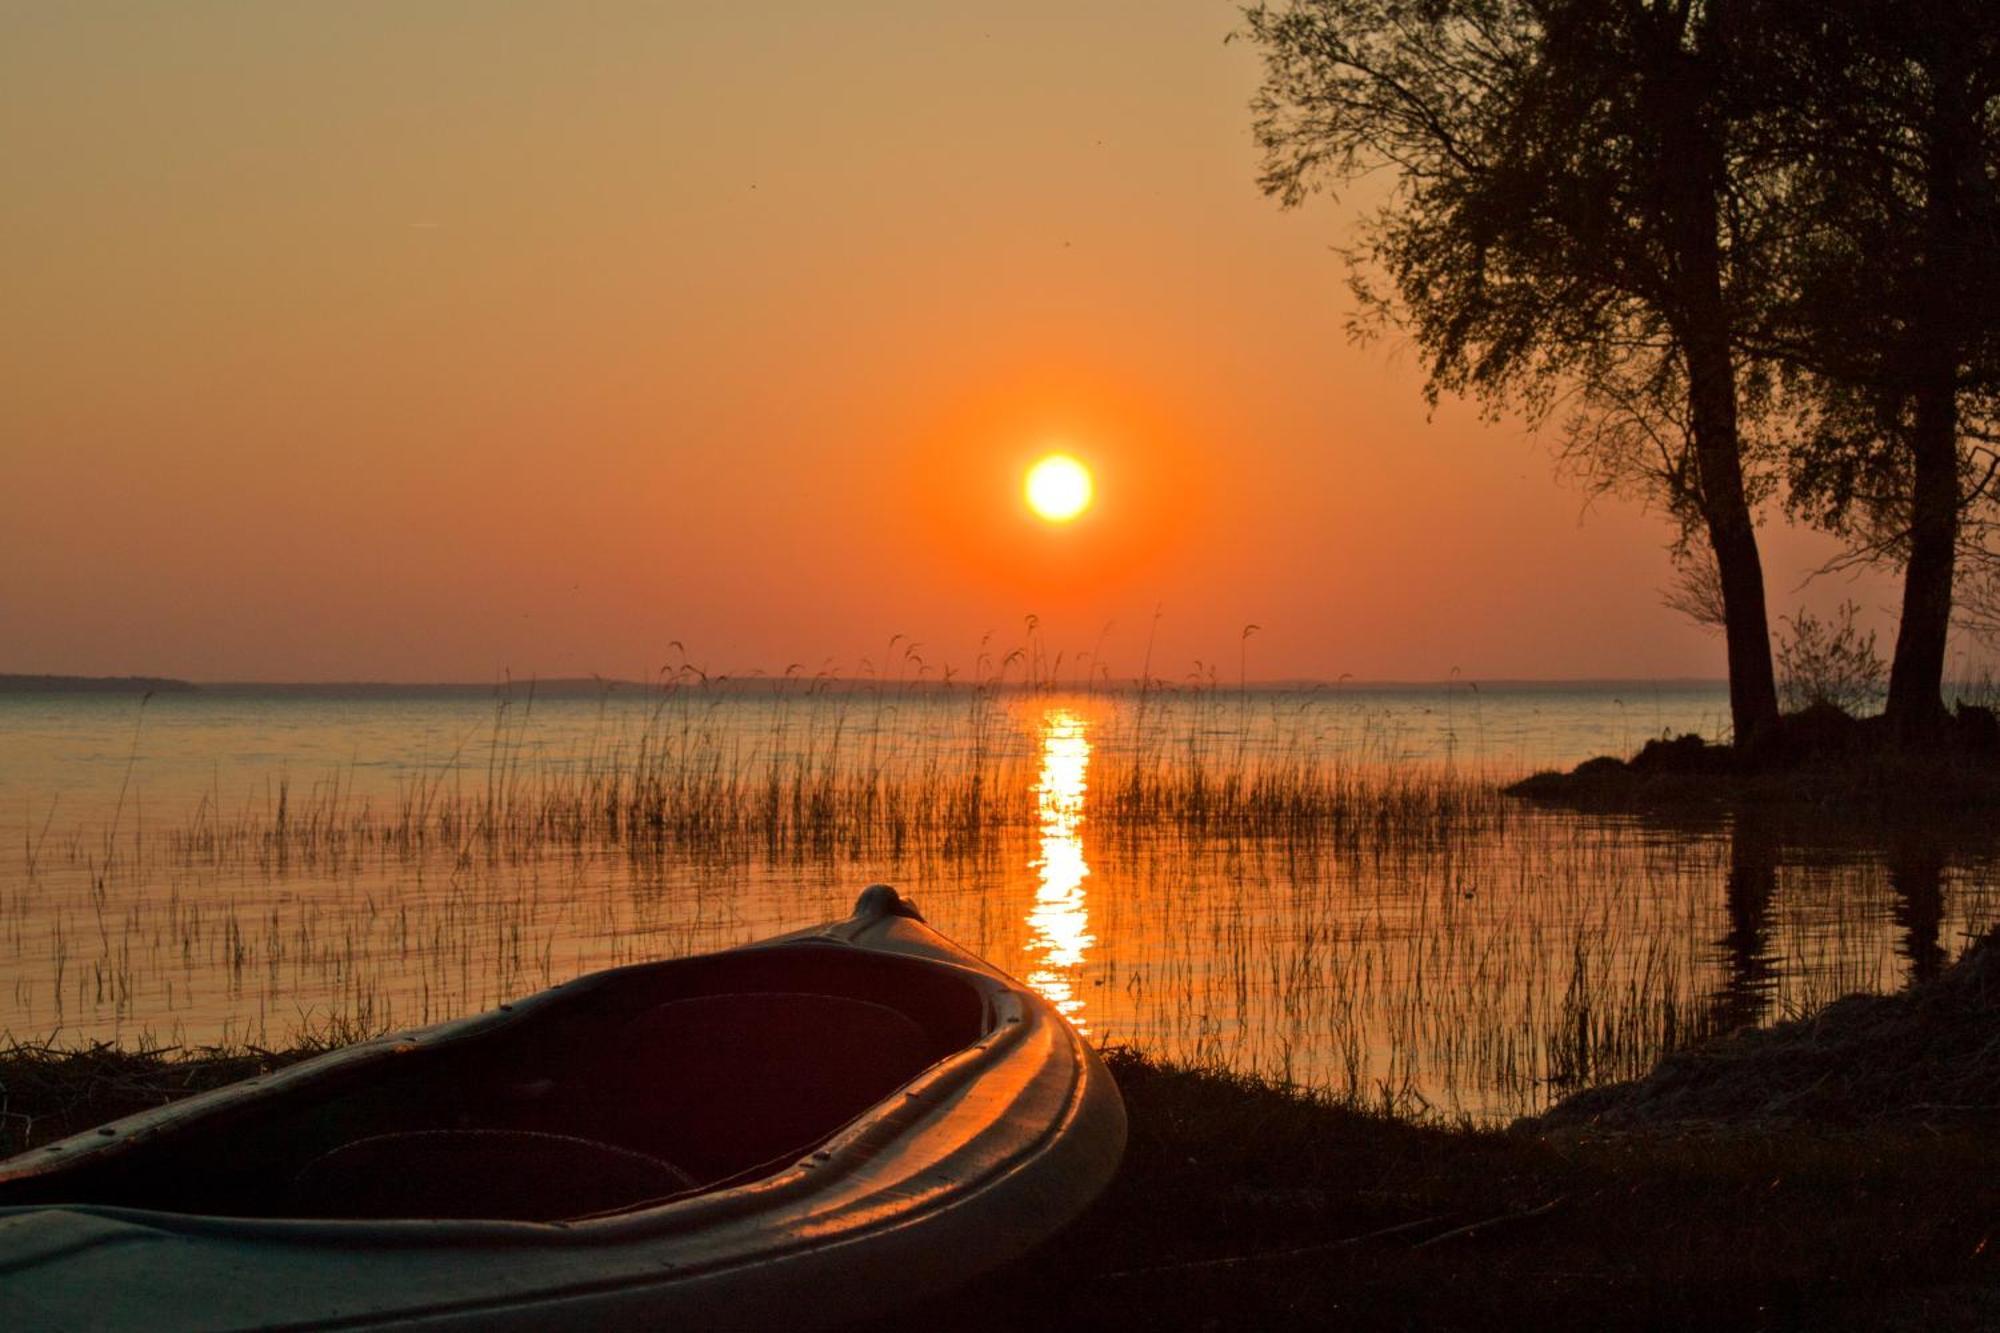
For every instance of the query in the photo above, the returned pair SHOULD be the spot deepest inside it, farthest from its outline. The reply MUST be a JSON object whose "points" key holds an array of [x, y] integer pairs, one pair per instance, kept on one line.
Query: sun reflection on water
{"points": [[1059, 921]]}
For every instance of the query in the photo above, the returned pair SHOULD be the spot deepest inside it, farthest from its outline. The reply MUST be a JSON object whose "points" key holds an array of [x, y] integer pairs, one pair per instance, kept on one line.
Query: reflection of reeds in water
{"points": [[1257, 893]]}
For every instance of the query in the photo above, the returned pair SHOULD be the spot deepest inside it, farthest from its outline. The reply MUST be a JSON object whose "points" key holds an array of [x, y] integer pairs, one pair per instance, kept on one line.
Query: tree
{"points": [[1572, 222], [1891, 122]]}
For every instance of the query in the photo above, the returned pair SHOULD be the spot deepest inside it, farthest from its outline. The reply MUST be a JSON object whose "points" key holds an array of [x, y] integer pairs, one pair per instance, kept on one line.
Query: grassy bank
{"points": [[1838, 1171], [1243, 1205]]}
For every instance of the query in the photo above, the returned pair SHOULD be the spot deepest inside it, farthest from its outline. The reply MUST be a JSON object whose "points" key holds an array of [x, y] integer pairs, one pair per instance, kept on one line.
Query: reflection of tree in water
{"points": [[1915, 864], [1916, 873], [1753, 968]]}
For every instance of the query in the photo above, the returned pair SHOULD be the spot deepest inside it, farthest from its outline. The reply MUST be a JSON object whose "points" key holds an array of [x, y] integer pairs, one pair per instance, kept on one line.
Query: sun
{"points": [[1058, 488]]}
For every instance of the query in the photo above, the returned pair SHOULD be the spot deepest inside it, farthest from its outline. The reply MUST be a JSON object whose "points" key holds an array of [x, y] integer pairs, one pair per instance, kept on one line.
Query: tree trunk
{"points": [[1936, 331], [1693, 171], [1753, 687], [1916, 675]]}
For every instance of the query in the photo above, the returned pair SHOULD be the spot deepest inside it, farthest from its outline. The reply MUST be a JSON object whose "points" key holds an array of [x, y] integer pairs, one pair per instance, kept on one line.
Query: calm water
{"points": [[1316, 884]]}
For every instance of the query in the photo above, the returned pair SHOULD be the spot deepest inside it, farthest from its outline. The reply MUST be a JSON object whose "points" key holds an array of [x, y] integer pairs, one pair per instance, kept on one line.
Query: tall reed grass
{"points": [[1261, 892]]}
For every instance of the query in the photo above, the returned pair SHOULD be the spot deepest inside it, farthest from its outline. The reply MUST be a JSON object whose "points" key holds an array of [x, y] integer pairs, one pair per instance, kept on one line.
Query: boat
{"points": [[798, 1133]]}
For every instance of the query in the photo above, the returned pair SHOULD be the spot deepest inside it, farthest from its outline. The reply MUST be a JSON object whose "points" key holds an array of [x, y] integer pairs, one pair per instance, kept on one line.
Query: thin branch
{"points": [[1503, 1219]]}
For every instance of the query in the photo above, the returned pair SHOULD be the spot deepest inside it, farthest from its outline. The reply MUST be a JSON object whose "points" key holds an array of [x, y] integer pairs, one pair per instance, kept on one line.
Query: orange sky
{"points": [[426, 342]]}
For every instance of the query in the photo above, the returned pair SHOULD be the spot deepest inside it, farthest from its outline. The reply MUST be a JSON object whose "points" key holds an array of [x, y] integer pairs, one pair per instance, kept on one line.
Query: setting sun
{"points": [[1058, 488]]}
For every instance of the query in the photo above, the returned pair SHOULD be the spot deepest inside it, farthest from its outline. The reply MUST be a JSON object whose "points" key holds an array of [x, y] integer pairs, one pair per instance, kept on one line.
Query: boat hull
{"points": [[959, 1170]]}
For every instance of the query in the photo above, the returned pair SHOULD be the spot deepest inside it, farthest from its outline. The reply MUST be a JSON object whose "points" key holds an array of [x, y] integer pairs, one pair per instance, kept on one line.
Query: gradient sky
{"points": [[393, 341]]}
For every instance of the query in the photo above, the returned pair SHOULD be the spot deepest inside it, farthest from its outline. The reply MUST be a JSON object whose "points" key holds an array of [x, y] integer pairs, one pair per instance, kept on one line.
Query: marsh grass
{"points": [[1263, 893]]}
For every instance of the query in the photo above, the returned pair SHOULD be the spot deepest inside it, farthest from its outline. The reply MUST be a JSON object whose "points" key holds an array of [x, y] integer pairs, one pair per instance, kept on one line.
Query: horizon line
{"points": [[697, 680]]}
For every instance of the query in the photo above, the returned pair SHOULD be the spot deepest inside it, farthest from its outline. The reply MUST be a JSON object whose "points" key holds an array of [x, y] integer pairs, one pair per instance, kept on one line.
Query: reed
{"points": [[1272, 885]]}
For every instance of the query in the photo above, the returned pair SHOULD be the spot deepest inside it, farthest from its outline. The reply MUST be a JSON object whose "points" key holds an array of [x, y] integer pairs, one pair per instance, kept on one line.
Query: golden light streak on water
{"points": [[1059, 922]]}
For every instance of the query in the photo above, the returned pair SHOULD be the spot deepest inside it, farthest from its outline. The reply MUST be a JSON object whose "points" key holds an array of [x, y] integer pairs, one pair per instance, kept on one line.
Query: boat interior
{"points": [[632, 1088]]}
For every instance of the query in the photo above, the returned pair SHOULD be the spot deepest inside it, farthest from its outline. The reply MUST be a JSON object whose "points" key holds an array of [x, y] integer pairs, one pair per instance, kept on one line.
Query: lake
{"points": [[1322, 885]]}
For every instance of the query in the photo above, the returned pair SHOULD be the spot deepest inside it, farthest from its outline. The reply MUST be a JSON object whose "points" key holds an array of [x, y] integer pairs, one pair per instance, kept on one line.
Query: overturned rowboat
{"points": [[797, 1133]]}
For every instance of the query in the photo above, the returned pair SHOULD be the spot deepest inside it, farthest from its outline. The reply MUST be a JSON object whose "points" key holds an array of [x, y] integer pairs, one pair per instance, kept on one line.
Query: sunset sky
{"points": [[390, 341]]}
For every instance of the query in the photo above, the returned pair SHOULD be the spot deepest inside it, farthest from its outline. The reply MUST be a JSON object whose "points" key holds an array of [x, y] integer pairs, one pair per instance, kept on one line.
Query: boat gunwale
{"points": [[127, 1133]]}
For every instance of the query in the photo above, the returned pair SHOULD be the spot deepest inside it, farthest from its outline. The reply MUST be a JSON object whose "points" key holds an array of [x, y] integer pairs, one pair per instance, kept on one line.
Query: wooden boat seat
{"points": [[491, 1173], [722, 1083]]}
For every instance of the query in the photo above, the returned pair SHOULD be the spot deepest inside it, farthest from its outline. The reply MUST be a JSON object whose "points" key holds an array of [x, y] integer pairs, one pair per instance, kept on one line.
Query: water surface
{"points": [[1315, 884]]}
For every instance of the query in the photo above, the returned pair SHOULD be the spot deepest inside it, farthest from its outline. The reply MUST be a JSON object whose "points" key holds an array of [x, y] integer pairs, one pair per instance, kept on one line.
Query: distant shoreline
{"points": [[13, 684], [594, 687]]}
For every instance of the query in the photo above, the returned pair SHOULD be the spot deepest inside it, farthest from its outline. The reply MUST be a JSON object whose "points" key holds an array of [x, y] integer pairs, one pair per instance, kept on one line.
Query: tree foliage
{"points": [[1888, 322], [1569, 227], [1734, 244]]}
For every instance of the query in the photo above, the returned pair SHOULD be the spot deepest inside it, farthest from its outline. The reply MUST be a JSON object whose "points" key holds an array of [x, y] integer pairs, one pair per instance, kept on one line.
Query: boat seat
{"points": [[514, 1175], [722, 1083]]}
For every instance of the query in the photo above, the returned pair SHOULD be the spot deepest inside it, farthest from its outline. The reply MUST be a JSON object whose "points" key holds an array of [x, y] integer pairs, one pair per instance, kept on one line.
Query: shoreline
{"points": [[1729, 1188], [1243, 1205]]}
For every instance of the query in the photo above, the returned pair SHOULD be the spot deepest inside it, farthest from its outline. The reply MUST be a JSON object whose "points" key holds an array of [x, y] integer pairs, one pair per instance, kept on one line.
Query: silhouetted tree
{"points": [[1572, 222], [1888, 112]]}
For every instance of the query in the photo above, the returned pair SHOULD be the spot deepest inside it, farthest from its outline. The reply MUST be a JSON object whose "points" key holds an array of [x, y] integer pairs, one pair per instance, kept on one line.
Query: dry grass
{"points": [[50, 1091], [1241, 1205]]}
